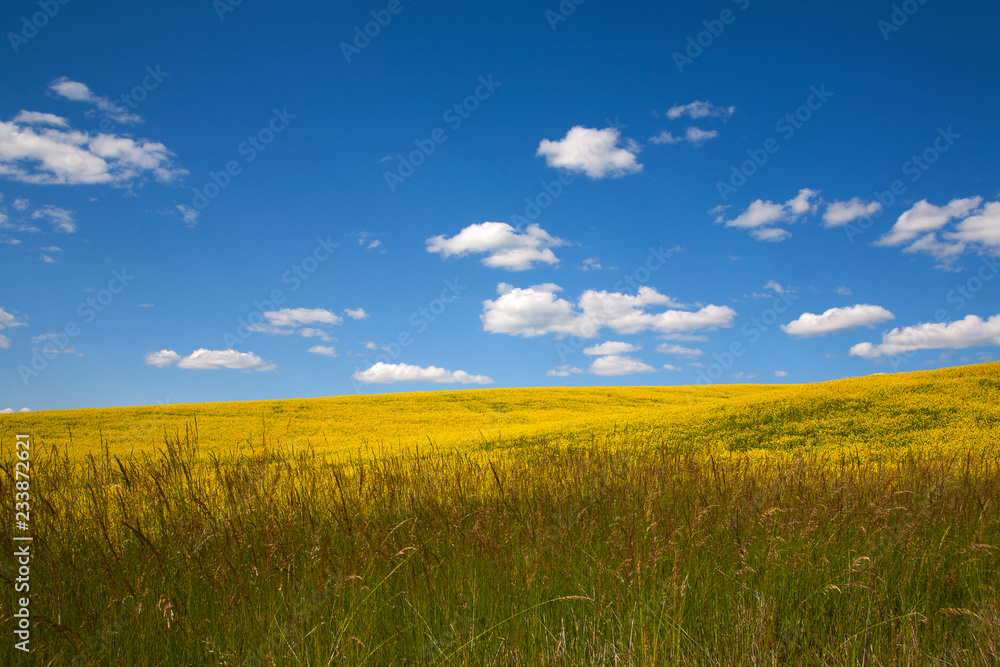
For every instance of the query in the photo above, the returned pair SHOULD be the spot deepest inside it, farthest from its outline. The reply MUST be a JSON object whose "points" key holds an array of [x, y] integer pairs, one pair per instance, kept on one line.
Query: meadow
{"points": [[848, 522]]}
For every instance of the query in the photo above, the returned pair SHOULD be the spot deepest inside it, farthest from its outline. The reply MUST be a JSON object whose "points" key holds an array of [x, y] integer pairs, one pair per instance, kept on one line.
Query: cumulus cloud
{"points": [[383, 373], [945, 232], [983, 227], [504, 246], [925, 217], [671, 367], [840, 213], [537, 311], [355, 313], [323, 350], [700, 109], [593, 152], [780, 374], [44, 155], [162, 358], [11, 319], [761, 217], [615, 365], [693, 135], [609, 348], [203, 359], [970, 331], [306, 322], [837, 319], [80, 92], [564, 371]]}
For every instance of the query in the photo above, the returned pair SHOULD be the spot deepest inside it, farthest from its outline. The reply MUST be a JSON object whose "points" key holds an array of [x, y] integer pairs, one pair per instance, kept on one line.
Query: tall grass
{"points": [[608, 552]]}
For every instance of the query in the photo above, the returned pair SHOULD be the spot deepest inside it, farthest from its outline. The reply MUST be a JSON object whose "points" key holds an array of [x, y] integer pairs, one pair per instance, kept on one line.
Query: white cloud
{"points": [[699, 109], [7, 411], [505, 247], [47, 156], [11, 319], [162, 358], [802, 202], [770, 234], [843, 291], [531, 311], [666, 137], [678, 350], [537, 311], [592, 264], [671, 367], [4, 342], [780, 374], [697, 136], [564, 371], [840, 213], [383, 373], [356, 313], [837, 319], [47, 259], [79, 92], [287, 321], [203, 359], [616, 365], [593, 152], [61, 219], [971, 331], [759, 217], [39, 118], [983, 227], [369, 245], [777, 288], [693, 135], [924, 220], [610, 347], [21, 204], [188, 215], [324, 350]]}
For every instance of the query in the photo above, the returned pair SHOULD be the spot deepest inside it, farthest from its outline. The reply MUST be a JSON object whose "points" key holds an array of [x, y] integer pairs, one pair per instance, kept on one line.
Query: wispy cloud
{"points": [[700, 109], [79, 92]]}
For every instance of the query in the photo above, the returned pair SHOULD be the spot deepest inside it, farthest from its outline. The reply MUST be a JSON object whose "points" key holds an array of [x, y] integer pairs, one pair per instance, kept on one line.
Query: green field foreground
{"points": [[851, 522]]}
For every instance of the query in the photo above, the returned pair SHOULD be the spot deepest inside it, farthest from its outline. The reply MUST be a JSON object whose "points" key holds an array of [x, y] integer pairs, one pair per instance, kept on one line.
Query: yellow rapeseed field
{"points": [[868, 416]]}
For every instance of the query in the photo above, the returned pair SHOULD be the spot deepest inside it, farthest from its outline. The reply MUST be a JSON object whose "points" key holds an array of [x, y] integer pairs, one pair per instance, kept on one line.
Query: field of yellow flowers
{"points": [[843, 523], [873, 415]]}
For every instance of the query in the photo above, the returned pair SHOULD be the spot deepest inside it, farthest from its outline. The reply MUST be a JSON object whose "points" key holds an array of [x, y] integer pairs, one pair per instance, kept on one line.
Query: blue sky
{"points": [[219, 201]]}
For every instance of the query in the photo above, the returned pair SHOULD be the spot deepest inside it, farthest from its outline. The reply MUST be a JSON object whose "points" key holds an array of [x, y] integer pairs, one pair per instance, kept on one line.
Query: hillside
{"points": [[926, 408]]}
